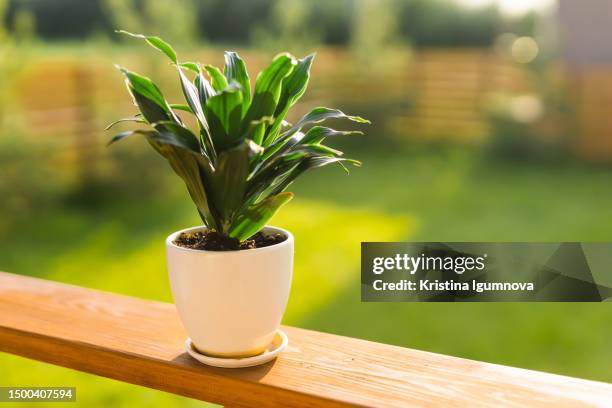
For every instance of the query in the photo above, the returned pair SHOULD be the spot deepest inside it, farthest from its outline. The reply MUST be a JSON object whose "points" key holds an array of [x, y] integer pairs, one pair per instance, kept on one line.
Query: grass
{"points": [[435, 196]]}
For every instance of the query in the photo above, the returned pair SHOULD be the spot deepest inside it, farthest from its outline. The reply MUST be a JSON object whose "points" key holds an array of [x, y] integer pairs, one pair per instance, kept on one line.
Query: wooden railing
{"points": [[141, 342]]}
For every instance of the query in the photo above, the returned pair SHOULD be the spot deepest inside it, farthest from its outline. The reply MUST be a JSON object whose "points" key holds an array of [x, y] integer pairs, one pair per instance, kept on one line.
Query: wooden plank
{"points": [[141, 342]]}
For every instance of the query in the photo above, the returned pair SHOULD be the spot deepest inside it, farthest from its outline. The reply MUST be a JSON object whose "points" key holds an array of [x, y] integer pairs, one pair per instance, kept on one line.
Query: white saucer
{"points": [[277, 345]]}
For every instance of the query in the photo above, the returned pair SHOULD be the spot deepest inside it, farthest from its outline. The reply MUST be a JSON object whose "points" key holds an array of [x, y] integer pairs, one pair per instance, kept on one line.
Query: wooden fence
{"points": [[451, 88], [433, 94], [592, 97], [67, 96]]}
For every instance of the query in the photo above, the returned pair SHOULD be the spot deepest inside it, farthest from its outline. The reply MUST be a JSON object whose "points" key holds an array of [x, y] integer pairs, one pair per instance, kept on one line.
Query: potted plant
{"points": [[231, 277]]}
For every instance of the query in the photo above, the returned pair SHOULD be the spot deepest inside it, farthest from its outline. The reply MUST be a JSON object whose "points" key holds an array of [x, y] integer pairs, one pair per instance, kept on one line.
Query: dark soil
{"points": [[213, 241]]}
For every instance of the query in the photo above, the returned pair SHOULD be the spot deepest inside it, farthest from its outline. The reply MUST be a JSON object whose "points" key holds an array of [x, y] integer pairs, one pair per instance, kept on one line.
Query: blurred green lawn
{"points": [[437, 196]]}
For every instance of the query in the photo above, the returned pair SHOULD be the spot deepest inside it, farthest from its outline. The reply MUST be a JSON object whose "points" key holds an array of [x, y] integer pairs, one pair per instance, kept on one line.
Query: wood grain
{"points": [[141, 342]]}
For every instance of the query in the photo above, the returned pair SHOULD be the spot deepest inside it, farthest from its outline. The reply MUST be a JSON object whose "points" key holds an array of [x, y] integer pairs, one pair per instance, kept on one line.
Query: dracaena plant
{"points": [[244, 154]]}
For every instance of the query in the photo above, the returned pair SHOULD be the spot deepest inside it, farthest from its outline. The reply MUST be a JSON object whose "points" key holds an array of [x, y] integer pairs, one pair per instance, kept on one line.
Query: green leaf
{"points": [[191, 96], [306, 164], [317, 162], [127, 133], [201, 84], [144, 86], [318, 115], [229, 182], [155, 42], [217, 79], [317, 134], [137, 120], [293, 87], [255, 217], [235, 71], [278, 149], [161, 137], [257, 128], [185, 136], [192, 66], [289, 155], [148, 98], [181, 107], [205, 90], [151, 111], [193, 100], [274, 168], [268, 87], [195, 170], [224, 113], [311, 150]]}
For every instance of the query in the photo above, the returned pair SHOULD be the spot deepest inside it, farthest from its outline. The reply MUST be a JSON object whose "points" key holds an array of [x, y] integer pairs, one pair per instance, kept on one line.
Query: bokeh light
{"points": [[525, 50]]}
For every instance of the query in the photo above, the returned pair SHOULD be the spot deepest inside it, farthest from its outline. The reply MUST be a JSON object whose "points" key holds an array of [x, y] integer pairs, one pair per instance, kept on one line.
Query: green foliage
{"points": [[244, 154]]}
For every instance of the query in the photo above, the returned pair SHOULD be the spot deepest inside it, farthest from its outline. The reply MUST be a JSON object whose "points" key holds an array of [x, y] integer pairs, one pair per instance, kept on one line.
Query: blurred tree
{"points": [[425, 23], [4, 52], [24, 25], [61, 18], [289, 28], [183, 14], [152, 17], [232, 21], [444, 23], [125, 14], [374, 31], [332, 19], [13, 55]]}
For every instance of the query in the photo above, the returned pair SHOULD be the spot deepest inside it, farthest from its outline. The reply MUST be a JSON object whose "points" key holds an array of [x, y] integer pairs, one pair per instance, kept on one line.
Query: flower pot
{"points": [[231, 302]]}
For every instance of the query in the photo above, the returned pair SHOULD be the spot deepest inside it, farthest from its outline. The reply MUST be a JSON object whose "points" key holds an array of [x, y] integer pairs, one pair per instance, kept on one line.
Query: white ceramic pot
{"points": [[231, 302]]}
